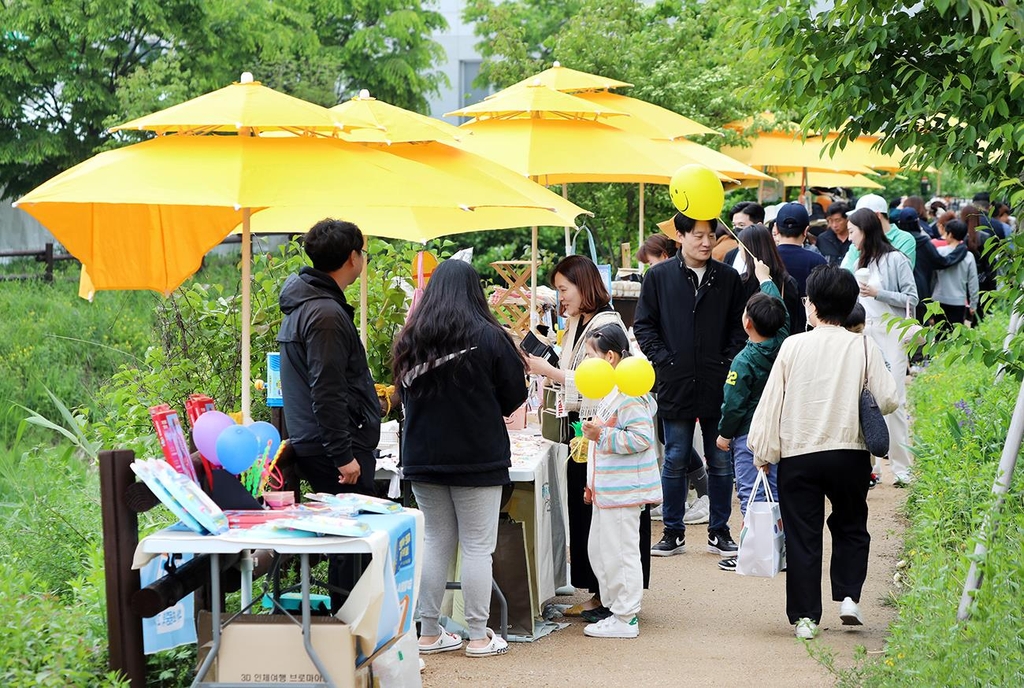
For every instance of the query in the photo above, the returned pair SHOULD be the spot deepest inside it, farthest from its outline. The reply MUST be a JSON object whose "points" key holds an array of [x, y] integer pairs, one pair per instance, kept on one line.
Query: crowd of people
{"points": [[761, 336]]}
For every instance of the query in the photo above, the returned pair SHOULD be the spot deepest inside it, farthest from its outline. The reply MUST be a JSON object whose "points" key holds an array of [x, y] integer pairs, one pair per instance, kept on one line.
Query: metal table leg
{"points": [[307, 641], [215, 614]]}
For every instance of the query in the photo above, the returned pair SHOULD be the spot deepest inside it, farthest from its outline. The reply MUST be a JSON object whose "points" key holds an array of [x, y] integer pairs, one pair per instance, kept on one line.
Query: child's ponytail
{"points": [[610, 338]]}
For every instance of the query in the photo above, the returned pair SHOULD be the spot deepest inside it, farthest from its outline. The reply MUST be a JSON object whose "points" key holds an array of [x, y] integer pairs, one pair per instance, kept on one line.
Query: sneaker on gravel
{"points": [[806, 629], [849, 612], [671, 543], [727, 564], [698, 511], [720, 542], [656, 514], [873, 481], [613, 627]]}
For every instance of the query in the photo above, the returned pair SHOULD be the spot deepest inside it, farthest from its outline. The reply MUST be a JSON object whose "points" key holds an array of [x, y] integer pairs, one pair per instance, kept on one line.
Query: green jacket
{"points": [[748, 375]]}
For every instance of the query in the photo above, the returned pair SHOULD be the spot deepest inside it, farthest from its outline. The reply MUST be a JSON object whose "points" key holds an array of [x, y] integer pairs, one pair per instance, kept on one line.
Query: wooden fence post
{"points": [[48, 259], [120, 538]]}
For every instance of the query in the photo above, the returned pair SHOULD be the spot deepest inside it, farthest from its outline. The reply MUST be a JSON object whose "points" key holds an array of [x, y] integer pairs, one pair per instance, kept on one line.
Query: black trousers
{"points": [[804, 482], [343, 571]]}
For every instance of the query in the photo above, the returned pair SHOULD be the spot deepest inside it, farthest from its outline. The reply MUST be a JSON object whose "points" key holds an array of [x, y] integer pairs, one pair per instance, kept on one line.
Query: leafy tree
{"points": [[69, 70], [687, 57], [942, 77]]}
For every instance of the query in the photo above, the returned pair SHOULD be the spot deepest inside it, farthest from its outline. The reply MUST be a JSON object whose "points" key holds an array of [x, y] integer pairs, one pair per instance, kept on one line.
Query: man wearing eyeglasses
{"points": [[834, 242]]}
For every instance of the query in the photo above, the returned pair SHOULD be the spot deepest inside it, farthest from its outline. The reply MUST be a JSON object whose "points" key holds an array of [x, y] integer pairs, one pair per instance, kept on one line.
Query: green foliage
{"points": [[69, 70], [38, 530], [951, 77], [51, 641], [960, 425], [681, 56], [55, 342]]}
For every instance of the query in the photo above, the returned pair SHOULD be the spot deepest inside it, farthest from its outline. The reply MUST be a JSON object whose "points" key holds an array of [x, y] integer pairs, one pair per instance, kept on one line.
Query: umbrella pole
{"points": [[568, 234], [641, 228], [533, 274], [364, 280], [246, 317]]}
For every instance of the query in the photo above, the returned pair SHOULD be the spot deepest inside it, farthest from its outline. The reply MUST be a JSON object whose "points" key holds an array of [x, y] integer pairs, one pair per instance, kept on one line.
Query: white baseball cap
{"points": [[874, 203]]}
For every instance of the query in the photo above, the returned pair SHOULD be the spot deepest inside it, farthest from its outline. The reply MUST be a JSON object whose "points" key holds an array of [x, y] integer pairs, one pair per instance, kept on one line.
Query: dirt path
{"points": [[701, 626]]}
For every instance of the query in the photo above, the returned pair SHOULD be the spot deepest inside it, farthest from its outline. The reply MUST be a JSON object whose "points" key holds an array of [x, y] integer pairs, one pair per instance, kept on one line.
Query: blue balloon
{"points": [[237, 449], [265, 432]]}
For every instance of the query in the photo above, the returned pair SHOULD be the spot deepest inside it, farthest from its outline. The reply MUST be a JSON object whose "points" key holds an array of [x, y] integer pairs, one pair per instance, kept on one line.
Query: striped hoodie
{"points": [[623, 464]]}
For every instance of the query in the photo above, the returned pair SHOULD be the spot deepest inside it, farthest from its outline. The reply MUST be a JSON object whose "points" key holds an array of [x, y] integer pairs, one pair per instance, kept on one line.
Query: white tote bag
{"points": [[762, 550]]}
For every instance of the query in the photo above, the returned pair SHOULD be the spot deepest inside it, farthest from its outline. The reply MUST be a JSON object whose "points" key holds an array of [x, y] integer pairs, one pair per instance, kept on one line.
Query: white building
{"points": [[462, 65]]}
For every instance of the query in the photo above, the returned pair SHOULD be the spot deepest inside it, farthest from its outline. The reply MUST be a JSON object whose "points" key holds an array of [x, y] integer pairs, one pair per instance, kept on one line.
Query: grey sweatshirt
{"points": [[958, 285]]}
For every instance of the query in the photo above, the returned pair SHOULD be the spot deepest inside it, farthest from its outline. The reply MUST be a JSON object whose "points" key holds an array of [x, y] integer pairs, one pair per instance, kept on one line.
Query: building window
{"points": [[468, 93]]}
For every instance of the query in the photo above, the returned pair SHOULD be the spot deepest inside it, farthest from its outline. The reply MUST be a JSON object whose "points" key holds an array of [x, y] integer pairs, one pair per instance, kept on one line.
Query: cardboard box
{"points": [[258, 648]]}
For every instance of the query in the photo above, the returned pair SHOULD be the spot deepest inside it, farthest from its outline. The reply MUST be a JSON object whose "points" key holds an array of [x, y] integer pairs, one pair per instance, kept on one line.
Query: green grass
{"points": [[961, 420]]}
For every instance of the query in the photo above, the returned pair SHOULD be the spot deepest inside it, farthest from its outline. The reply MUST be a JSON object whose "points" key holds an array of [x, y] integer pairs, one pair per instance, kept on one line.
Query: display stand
{"points": [[512, 307]]}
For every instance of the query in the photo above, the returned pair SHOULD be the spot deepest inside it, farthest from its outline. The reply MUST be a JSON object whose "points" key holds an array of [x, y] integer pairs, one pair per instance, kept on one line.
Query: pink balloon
{"points": [[206, 430]]}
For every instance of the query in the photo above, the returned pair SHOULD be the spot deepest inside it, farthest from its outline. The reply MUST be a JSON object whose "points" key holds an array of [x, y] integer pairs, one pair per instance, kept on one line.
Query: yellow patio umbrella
{"points": [[568, 80], [392, 124], [823, 179], [647, 119], [143, 216], [535, 101]]}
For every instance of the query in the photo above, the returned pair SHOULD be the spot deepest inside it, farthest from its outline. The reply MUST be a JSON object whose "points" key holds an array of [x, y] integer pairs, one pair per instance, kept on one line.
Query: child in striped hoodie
{"points": [[622, 478]]}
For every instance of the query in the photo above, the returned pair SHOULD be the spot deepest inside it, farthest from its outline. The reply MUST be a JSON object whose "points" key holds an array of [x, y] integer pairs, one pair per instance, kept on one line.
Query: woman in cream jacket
{"points": [[808, 423]]}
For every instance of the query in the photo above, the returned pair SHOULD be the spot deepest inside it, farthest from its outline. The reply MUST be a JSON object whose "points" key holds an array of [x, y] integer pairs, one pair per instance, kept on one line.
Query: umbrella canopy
{"points": [[535, 101], [646, 119], [823, 179], [568, 80], [778, 153], [424, 221], [392, 124], [719, 162], [567, 152], [245, 105]]}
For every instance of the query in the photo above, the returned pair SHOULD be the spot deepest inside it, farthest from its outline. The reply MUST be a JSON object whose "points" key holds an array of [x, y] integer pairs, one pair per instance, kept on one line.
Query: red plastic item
{"points": [[172, 440]]}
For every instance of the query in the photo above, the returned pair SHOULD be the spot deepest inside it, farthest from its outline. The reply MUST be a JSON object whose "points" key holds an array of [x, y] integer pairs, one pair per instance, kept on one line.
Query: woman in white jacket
{"points": [[887, 289], [808, 423]]}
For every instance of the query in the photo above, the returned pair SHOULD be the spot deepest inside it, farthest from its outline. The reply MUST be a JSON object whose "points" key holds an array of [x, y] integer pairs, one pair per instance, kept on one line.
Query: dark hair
{"points": [[766, 313], [917, 203], [452, 316], [970, 215], [857, 318], [654, 246], [837, 208], [752, 210], [998, 209], [329, 243], [833, 291], [758, 240], [685, 225], [584, 275], [945, 217], [610, 338], [956, 229], [895, 202], [875, 243]]}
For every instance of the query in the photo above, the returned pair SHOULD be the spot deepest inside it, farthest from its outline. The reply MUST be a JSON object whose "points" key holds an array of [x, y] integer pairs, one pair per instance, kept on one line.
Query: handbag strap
{"points": [[865, 338], [762, 479], [590, 240]]}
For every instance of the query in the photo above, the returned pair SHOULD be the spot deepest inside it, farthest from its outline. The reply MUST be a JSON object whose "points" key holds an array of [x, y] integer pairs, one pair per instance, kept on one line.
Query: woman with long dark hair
{"points": [[458, 373], [759, 242], [977, 242], [887, 290]]}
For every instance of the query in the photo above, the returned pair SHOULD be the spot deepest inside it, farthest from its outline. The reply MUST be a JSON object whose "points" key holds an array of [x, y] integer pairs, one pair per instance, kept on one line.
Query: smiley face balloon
{"points": [[697, 192]]}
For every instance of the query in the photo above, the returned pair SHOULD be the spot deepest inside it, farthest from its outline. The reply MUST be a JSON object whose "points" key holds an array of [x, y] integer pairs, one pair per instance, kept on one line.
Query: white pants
{"points": [[899, 431], [614, 548]]}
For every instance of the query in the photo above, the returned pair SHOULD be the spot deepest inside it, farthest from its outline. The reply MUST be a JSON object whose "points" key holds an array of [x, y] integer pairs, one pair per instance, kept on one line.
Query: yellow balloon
{"points": [[697, 192], [595, 377], [634, 376]]}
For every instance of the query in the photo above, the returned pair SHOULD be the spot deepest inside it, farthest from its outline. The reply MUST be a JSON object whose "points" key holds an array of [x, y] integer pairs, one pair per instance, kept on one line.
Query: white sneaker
{"points": [[698, 512], [613, 627], [806, 629], [849, 612], [656, 514]]}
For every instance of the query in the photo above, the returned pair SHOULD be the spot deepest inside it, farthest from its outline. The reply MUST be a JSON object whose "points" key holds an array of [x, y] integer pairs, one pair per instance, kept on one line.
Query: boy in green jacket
{"points": [[766, 323]]}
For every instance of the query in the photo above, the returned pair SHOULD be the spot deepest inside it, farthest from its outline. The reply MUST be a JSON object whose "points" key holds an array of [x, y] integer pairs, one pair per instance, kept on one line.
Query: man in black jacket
{"points": [[330, 405], [688, 323]]}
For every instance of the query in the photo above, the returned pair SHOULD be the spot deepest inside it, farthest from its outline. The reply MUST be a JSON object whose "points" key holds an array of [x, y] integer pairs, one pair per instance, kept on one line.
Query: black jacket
{"points": [[330, 405], [690, 335], [455, 430], [929, 260], [832, 249], [789, 295]]}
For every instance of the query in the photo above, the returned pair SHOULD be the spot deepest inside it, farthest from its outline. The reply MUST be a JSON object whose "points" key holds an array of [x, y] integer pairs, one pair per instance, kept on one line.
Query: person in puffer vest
{"points": [[622, 478]]}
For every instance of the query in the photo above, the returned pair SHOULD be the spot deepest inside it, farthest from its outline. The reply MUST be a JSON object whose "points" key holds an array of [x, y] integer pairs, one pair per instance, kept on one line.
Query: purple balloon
{"points": [[237, 449], [206, 430]]}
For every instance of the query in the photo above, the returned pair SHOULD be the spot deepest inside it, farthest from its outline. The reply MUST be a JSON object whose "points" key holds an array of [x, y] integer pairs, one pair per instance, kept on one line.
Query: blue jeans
{"points": [[678, 445], [746, 474]]}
